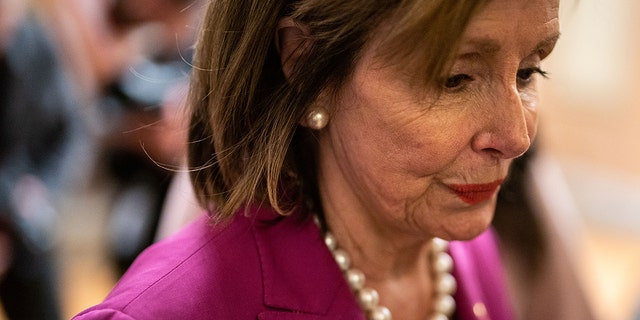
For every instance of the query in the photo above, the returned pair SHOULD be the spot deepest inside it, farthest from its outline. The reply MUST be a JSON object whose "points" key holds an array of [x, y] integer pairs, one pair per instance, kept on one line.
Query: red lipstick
{"points": [[475, 193]]}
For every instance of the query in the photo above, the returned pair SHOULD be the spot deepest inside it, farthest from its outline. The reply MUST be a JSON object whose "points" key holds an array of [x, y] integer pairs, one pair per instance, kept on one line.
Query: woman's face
{"points": [[423, 166]]}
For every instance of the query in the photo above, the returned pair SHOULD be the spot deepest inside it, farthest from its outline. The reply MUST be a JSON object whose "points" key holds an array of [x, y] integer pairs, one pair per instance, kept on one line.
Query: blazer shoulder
{"points": [[203, 265]]}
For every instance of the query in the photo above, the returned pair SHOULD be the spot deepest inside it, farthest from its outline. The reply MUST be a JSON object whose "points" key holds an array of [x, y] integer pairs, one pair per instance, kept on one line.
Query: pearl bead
{"points": [[330, 241], [439, 316], [355, 278], [445, 304], [442, 262], [439, 245], [380, 313], [342, 258], [317, 119], [446, 283], [368, 298]]}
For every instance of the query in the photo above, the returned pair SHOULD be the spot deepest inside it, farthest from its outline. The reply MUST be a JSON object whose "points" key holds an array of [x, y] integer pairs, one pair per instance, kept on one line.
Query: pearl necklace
{"points": [[368, 298]]}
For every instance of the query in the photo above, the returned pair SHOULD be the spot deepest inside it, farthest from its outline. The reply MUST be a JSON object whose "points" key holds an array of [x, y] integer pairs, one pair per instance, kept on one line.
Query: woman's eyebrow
{"points": [[482, 46], [547, 44], [489, 46]]}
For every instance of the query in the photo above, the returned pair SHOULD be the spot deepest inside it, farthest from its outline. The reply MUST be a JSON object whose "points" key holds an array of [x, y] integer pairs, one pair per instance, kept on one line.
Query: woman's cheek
{"points": [[529, 100]]}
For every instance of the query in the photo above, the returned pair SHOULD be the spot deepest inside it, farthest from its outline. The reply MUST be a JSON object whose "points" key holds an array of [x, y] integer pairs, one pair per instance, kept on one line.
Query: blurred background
{"points": [[105, 82], [92, 133], [590, 125]]}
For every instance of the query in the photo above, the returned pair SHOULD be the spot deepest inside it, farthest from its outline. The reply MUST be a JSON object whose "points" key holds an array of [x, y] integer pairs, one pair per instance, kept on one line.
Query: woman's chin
{"points": [[469, 223]]}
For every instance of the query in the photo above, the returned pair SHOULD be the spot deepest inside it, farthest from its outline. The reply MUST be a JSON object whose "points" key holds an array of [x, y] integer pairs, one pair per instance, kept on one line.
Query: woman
{"points": [[381, 127]]}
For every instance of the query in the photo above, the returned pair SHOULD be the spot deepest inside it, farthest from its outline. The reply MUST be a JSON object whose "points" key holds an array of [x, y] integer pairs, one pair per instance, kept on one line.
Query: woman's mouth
{"points": [[475, 193]]}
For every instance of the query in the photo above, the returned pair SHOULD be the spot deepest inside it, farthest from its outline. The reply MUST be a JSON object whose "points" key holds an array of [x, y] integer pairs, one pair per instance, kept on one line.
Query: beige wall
{"points": [[591, 106], [590, 122]]}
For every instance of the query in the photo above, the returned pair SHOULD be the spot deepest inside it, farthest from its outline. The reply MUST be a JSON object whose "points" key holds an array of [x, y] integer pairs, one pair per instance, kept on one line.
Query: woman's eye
{"points": [[526, 75], [456, 81]]}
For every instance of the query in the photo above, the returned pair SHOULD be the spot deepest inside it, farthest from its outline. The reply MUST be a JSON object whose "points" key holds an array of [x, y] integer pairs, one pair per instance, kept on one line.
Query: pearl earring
{"points": [[317, 118]]}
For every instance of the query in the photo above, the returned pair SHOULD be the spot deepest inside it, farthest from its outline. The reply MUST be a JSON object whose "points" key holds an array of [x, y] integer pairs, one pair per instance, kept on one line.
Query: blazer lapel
{"points": [[301, 278]]}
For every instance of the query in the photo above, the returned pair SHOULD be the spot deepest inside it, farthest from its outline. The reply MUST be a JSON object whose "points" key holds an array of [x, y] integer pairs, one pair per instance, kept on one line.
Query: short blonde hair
{"points": [[245, 142]]}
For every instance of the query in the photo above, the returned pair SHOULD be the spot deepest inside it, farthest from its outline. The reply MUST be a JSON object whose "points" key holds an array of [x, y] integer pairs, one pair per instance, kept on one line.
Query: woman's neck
{"points": [[397, 267], [371, 246]]}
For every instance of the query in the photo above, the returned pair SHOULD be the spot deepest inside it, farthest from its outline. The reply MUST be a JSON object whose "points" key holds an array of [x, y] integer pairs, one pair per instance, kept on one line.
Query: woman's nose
{"points": [[508, 127]]}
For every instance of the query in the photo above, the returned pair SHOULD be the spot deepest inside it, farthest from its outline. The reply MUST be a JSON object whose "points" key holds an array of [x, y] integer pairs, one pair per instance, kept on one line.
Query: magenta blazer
{"points": [[265, 266]]}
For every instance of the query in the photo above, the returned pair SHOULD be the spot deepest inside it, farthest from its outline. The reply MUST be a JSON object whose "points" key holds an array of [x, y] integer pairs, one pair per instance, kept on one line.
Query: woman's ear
{"points": [[291, 40]]}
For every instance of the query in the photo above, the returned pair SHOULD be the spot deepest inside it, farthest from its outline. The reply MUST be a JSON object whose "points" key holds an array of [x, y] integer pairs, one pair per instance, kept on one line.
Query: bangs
{"points": [[422, 37]]}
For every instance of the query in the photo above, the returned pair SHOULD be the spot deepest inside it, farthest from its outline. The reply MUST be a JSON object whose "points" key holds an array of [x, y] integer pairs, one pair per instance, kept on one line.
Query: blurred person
{"points": [[56, 59], [147, 141], [141, 155], [337, 162], [129, 57], [40, 136]]}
